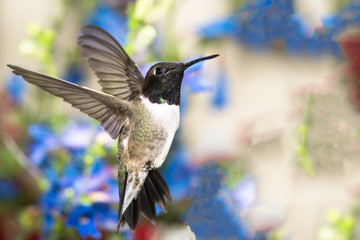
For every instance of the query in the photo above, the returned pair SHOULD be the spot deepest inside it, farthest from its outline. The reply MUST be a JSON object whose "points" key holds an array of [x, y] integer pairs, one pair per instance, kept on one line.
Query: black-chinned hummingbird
{"points": [[142, 113]]}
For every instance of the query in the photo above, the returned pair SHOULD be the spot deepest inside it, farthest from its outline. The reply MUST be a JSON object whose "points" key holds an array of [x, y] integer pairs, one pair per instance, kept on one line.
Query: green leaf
{"points": [[144, 37], [158, 11], [333, 216], [33, 29], [142, 7]]}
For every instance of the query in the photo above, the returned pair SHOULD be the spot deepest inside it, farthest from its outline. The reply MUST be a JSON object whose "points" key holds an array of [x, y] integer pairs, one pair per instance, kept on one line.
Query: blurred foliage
{"points": [[275, 236], [340, 4], [40, 46], [142, 14], [340, 226], [234, 171], [303, 152]]}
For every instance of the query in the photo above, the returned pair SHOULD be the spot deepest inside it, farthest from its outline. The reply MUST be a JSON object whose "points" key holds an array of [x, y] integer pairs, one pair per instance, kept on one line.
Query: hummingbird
{"points": [[141, 113]]}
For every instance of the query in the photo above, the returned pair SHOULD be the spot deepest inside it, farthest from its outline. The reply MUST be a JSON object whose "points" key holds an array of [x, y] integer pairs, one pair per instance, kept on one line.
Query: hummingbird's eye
{"points": [[158, 71]]}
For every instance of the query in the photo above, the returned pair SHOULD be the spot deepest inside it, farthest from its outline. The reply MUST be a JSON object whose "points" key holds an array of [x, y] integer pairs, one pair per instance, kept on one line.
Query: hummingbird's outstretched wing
{"points": [[111, 112], [118, 74]]}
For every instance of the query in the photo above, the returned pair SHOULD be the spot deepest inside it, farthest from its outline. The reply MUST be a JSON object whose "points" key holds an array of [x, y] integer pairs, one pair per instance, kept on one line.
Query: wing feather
{"points": [[110, 111], [118, 74]]}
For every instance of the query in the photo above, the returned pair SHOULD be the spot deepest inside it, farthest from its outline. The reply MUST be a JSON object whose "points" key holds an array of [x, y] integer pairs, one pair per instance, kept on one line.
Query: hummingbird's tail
{"points": [[154, 190]]}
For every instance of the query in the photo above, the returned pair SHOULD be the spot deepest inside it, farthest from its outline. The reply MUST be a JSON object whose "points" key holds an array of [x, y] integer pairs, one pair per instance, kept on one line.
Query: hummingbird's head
{"points": [[163, 81]]}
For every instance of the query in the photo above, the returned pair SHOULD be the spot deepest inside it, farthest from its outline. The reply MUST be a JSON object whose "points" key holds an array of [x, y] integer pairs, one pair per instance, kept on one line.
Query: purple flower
{"points": [[100, 186], [244, 194], [194, 79], [76, 136]]}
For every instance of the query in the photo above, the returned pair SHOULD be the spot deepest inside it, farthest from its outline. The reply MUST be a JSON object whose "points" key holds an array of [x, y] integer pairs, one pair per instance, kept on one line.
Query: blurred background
{"points": [[269, 139]]}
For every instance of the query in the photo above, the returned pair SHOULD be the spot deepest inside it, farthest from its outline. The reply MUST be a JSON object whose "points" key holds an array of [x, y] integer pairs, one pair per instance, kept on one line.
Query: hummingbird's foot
{"points": [[147, 167]]}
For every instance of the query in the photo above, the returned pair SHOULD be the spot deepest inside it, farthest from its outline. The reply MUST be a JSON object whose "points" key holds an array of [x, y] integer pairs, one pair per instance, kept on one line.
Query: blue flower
{"points": [[85, 218], [74, 137], [50, 173], [177, 172], [15, 87], [219, 99], [105, 217], [208, 215], [44, 142], [50, 200], [51, 206], [194, 79], [110, 20], [257, 24], [88, 219], [82, 218], [70, 174], [219, 29], [74, 184], [8, 190], [75, 73], [48, 224]]}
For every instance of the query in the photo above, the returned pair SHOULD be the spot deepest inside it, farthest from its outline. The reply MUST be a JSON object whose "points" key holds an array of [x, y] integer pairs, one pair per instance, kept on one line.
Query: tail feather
{"points": [[147, 205], [161, 184], [153, 191], [132, 213], [122, 179]]}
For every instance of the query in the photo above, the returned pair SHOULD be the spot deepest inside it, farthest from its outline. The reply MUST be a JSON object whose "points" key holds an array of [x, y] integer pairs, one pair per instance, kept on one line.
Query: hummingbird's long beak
{"points": [[188, 64]]}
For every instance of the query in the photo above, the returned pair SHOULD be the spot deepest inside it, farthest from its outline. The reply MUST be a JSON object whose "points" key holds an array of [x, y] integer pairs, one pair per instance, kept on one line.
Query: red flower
{"points": [[350, 43]]}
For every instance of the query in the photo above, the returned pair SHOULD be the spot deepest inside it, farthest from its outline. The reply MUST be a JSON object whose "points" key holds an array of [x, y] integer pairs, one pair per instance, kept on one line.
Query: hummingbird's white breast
{"points": [[165, 119], [168, 118]]}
